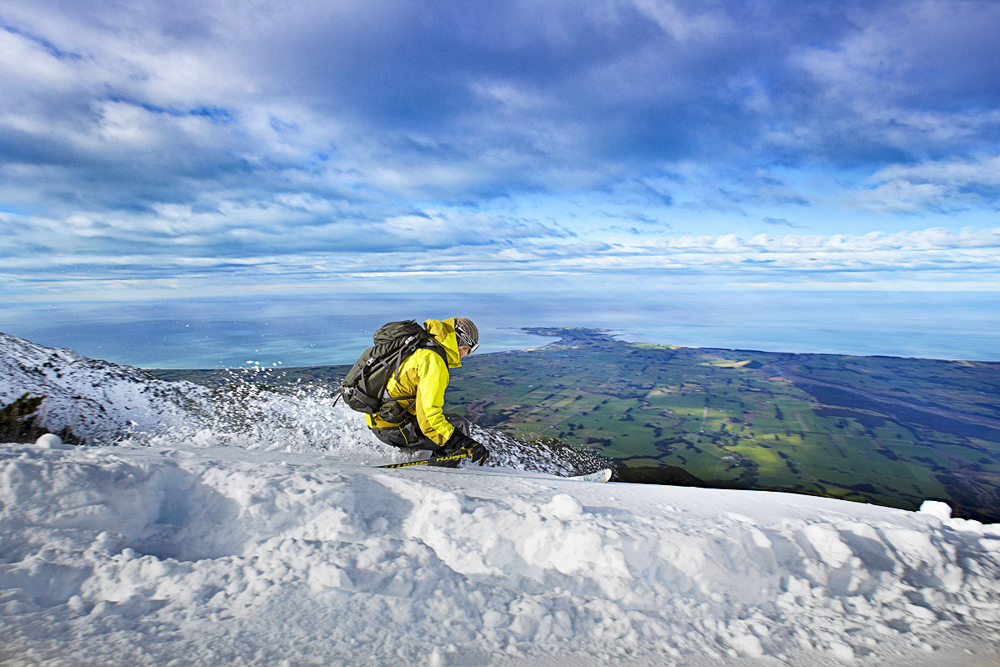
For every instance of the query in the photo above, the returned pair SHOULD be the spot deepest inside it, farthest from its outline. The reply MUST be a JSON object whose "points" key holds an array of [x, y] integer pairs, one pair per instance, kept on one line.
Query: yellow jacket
{"points": [[425, 375]]}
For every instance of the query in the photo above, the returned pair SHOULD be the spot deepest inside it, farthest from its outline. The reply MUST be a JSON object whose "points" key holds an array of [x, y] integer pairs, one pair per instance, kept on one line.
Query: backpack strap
{"points": [[430, 344]]}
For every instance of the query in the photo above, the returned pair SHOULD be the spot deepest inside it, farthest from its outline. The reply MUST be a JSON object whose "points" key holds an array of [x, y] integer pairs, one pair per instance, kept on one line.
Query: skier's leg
{"points": [[408, 436], [461, 424]]}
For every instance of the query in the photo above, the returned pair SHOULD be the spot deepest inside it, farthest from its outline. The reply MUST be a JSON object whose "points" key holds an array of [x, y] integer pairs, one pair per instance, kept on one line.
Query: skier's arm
{"points": [[433, 380]]}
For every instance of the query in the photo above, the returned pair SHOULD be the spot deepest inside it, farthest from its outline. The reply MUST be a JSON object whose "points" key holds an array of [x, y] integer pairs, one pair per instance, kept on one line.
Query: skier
{"points": [[424, 374]]}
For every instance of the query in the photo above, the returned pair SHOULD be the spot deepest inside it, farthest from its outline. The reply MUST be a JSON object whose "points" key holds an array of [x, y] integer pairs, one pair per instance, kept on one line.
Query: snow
{"points": [[203, 542], [96, 399]]}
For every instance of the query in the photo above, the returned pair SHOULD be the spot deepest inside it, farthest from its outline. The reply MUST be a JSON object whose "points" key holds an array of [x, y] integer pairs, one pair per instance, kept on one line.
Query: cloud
{"points": [[946, 185], [232, 137], [447, 100], [293, 224], [780, 222], [921, 252], [429, 249], [648, 222]]}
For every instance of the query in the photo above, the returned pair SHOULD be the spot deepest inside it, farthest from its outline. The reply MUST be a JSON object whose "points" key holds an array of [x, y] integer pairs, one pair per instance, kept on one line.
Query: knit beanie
{"points": [[465, 325]]}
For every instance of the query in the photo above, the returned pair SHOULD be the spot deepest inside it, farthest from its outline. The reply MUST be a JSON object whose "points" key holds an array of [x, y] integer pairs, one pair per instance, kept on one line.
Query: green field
{"points": [[883, 430], [876, 429]]}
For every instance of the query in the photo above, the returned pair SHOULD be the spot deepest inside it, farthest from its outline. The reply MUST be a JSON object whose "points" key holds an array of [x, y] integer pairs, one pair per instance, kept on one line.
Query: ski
{"points": [[601, 476], [424, 462]]}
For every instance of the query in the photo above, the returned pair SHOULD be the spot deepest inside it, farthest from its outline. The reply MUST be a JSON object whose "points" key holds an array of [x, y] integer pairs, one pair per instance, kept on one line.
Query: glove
{"points": [[459, 443], [478, 452]]}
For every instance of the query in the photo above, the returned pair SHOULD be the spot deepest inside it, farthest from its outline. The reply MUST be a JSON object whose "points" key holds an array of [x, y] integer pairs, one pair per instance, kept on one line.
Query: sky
{"points": [[159, 150]]}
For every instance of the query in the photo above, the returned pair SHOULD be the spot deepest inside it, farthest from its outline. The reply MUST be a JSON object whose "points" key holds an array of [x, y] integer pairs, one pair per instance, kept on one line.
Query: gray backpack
{"points": [[364, 388]]}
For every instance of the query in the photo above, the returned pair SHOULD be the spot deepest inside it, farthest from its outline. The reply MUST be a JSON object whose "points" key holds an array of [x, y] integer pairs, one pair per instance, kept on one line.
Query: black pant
{"points": [[409, 436]]}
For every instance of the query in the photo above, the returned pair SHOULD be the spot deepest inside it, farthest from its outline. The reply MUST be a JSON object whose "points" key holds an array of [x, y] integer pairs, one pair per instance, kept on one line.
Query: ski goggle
{"points": [[464, 339]]}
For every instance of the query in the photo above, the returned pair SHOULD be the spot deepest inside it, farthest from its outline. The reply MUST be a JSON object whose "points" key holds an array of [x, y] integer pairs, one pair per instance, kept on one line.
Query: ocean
{"points": [[334, 329]]}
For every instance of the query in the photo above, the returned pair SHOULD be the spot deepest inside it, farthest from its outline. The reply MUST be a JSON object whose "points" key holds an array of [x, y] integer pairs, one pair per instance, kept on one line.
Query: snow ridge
{"points": [[208, 555], [96, 400]]}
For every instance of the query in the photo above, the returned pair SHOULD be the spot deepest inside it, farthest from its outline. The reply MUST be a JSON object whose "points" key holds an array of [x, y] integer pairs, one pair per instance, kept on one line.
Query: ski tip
{"points": [[601, 476]]}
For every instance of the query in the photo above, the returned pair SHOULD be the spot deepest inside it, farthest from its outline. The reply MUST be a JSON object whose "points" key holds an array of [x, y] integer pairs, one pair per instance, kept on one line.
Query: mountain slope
{"points": [[97, 401]]}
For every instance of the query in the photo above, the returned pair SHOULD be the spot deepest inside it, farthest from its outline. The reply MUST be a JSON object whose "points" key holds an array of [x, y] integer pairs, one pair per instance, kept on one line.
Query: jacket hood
{"points": [[443, 332]]}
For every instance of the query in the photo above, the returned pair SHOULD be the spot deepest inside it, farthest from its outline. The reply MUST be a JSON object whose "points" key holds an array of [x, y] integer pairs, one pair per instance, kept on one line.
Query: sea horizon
{"points": [[246, 332]]}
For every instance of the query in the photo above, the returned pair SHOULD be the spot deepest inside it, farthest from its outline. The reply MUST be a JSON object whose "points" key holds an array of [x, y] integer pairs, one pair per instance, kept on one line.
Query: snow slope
{"points": [[104, 403], [95, 399], [286, 547], [197, 556]]}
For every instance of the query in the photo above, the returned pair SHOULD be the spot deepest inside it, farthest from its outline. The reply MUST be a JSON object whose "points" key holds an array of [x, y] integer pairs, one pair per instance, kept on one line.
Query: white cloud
{"points": [[682, 25], [945, 185], [435, 246]]}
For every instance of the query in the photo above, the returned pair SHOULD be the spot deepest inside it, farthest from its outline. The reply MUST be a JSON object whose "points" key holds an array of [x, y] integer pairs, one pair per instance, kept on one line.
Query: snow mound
{"points": [[205, 555]]}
